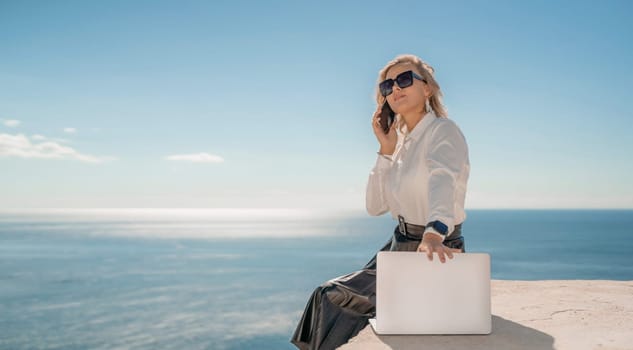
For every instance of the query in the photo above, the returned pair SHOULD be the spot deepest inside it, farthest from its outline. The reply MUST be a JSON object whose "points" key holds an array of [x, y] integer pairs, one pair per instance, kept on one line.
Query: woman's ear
{"points": [[427, 91]]}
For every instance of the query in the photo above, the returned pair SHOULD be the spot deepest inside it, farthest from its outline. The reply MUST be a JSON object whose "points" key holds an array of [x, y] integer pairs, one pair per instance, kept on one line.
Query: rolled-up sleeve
{"points": [[375, 200], [446, 159]]}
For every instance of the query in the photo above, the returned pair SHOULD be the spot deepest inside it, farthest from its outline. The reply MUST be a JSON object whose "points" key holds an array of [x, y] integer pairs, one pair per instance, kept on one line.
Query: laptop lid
{"points": [[418, 296]]}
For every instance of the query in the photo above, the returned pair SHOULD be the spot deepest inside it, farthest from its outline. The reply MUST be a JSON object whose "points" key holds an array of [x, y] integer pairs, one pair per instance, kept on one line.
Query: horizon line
{"points": [[294, 208]]}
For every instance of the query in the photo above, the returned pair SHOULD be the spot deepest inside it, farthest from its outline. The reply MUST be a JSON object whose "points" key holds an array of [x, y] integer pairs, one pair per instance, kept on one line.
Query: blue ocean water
{"points": [[110, 279]]}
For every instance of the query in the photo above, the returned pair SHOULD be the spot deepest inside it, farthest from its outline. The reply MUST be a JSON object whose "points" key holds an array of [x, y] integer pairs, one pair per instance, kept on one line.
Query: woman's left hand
{"points": [[432, 243]]}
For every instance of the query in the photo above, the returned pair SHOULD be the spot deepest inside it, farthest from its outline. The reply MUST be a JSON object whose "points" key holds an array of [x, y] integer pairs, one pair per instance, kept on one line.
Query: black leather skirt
{"points": [[340, 308]]}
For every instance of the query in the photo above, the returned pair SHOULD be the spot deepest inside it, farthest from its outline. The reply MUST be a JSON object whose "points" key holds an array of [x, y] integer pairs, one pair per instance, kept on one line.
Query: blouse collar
{"points": [[420, 126]]}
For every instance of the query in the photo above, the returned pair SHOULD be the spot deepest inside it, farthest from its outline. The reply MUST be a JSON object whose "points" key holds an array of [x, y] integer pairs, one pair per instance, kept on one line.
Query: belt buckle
{"points": [[402, 226]]}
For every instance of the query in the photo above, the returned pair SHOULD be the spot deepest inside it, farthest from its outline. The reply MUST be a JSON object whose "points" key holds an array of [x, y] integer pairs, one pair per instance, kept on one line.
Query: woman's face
{"points": [[411, 99]]}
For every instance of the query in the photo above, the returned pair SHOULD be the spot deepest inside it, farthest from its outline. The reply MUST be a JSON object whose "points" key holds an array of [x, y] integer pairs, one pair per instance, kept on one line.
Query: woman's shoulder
{"points": [[445, 124], [446, 127]]}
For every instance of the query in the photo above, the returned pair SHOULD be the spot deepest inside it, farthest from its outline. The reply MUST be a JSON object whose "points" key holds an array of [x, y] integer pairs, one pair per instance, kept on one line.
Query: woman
{"points": [[420, 176]]}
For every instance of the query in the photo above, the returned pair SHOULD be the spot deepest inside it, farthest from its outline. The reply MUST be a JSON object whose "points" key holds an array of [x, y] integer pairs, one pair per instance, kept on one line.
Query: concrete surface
{"points": [[535, 315]]}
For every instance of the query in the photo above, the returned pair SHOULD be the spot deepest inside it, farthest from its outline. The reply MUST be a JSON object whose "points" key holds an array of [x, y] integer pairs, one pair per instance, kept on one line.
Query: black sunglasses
{"points": [[404, 79]]}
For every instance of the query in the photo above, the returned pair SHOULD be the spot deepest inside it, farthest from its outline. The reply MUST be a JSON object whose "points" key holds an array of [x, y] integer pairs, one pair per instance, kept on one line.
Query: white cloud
{"points": [[12, 123], [38, 137], [197, 158], [70, 130], [20, 146]]}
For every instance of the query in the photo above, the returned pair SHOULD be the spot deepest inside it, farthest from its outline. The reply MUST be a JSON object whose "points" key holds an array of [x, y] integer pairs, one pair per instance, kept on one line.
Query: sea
{"points": [[240, 278]]}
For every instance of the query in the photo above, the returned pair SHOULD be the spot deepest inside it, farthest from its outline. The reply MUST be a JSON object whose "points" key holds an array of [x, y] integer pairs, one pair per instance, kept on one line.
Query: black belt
{"points": [[413, 231]]}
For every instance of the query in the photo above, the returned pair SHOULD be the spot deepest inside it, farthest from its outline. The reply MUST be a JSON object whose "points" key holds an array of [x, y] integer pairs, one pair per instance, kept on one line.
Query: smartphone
{"points": [[387, 116]]}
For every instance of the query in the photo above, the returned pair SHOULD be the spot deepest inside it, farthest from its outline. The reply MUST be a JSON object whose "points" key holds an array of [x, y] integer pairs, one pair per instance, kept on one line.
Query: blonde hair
{"points": [[426, 71]]}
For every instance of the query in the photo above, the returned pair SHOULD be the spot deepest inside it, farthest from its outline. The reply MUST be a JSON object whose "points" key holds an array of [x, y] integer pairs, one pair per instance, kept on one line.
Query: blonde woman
{"points": [[419, 176]]}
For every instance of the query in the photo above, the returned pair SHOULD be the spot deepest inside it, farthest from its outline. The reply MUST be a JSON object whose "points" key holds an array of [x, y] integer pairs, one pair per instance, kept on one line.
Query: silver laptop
{"points": [[418, 296]]}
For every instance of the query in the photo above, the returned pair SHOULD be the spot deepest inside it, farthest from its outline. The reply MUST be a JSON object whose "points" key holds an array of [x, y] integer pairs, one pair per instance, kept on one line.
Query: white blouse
{"points": [[425, 179]]}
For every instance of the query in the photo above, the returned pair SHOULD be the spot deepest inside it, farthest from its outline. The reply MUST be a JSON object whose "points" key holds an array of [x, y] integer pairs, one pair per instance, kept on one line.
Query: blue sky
{"points": [[268, 104]]}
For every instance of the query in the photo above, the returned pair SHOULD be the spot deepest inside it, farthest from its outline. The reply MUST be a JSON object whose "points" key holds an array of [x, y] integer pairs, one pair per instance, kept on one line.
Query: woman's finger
{"points": [[440, 253], [376, 122], [429, 252]]}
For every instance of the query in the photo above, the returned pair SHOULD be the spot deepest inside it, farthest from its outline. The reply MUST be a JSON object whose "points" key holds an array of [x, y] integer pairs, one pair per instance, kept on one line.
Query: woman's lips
{"points": [[399, 97]]}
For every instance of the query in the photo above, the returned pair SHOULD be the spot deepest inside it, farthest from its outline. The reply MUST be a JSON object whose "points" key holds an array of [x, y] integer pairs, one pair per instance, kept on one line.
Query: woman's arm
{"points": [[446, 159], [375, 201]]}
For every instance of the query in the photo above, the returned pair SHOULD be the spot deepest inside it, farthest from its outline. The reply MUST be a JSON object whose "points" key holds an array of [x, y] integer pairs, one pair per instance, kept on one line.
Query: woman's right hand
{"points": [[387, 141], [432, 243]]}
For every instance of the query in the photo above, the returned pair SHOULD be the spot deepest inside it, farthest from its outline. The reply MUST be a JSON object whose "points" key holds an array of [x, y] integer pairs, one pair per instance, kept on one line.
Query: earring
{"points": [[428, 105]]}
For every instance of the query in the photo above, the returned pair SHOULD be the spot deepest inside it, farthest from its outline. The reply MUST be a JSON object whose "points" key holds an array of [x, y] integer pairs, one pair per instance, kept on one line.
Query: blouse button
{"points": [[407, 142]]}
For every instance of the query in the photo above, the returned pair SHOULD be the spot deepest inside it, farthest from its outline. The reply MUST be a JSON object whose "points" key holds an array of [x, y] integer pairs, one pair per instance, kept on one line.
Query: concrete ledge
{"points": [[535, 315]]}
